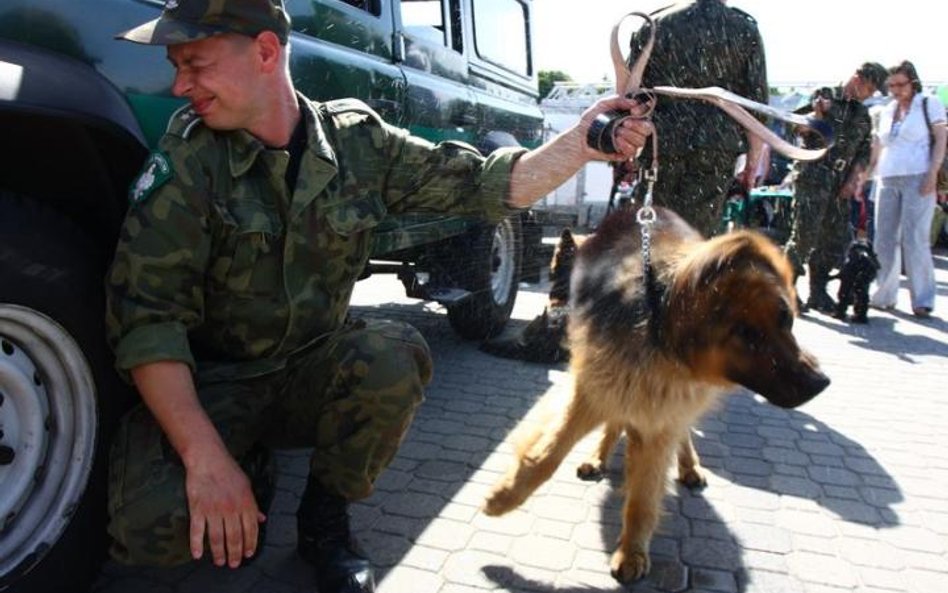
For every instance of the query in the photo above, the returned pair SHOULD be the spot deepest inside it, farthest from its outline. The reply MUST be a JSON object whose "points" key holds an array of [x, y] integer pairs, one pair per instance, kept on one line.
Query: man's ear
{"points": [[269, 49]]}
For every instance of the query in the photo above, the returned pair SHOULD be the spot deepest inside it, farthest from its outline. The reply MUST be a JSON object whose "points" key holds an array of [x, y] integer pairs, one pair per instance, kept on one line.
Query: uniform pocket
{"points": [[249, 263]]}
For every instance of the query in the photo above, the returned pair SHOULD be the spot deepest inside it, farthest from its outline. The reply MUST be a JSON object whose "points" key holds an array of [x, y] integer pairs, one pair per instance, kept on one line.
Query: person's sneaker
{"points": [[923, 312], [324, 540], [821, 302]]}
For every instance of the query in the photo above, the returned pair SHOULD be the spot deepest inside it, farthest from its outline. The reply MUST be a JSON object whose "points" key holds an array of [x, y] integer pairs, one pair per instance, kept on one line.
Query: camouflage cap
{"points": [[874, 73], [189, 20]]}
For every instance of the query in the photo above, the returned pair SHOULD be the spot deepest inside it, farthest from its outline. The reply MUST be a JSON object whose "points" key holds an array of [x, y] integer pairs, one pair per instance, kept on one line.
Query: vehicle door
{"points": [[439, 103], [345, 48]]}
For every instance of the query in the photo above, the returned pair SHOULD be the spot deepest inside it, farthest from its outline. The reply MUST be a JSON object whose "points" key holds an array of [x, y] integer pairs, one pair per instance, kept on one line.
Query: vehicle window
{"points": [[370, 6], [424, 19], [500, 34]]}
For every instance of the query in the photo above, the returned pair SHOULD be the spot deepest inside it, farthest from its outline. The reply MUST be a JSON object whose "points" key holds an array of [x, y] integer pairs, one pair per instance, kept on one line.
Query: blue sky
{"points": [[805, 40]]}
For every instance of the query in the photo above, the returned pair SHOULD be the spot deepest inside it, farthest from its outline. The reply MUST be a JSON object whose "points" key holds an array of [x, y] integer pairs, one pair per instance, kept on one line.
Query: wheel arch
{"points": [[71, 137]]}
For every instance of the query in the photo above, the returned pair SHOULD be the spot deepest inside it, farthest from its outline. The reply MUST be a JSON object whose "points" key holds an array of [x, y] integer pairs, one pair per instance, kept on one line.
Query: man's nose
{"points": [[182, 84]]}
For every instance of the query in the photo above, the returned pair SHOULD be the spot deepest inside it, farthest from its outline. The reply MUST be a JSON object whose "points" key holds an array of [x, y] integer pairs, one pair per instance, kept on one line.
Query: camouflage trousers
{"points": [[820, 229], [351, 399], [694, 185]]}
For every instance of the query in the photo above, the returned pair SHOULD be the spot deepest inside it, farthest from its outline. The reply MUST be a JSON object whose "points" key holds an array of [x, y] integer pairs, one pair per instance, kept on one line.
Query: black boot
{"points": [[324, 540]]}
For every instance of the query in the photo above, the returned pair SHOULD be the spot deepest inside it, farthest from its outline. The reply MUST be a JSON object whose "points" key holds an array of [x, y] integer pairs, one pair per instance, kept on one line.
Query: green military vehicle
{"points": [[79, 113]]}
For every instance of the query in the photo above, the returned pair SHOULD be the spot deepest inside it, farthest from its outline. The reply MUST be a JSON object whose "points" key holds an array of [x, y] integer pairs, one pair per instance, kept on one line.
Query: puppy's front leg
{"points": [[593, 468], [543, 453], [646, 464], [690, 472]]}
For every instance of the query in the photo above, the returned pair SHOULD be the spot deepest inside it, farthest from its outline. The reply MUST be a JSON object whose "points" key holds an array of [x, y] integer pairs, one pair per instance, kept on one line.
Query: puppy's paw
{"points": [[693, 478], [501, 500], [591, 471], [627, 567]]}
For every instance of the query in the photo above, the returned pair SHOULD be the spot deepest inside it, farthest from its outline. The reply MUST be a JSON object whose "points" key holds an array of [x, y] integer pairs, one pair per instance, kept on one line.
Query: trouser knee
{"points": [[147, 503]]}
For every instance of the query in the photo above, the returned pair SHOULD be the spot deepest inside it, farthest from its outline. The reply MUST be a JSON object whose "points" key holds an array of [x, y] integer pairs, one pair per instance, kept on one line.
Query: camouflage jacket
{"points": [[852, 135], [697, 45], [218, 266]]}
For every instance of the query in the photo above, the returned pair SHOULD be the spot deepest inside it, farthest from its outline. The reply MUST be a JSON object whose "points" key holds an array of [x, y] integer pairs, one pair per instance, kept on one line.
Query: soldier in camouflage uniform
{"points": [[230, 286], [700, 44], [823, 188]]}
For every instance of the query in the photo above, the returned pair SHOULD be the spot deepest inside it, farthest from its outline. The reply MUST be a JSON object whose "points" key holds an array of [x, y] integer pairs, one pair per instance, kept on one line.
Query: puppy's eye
{"points": [[748, 334], [785, 319]]}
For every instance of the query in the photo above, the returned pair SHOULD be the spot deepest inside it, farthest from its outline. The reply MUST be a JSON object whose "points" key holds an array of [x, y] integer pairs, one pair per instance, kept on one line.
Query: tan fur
{"points": [[718, 297]]}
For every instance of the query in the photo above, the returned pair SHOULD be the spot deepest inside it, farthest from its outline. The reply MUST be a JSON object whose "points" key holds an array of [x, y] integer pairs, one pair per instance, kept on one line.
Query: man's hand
{"points": [[222, 505], [629, 136]]}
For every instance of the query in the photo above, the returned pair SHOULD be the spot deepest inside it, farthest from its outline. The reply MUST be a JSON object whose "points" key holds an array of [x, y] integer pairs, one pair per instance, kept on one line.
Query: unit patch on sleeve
{"points": [[155, 173]]}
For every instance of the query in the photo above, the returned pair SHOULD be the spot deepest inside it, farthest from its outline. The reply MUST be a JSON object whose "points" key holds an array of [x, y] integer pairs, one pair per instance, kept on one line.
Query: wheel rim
{"points": [[48, 420], [503, 258]]}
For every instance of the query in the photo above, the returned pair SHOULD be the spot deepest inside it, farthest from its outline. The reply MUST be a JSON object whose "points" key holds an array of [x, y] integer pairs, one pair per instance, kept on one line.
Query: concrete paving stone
{"points": [[711, 530], [444, 534], [835, 476], [853, 511], [456, 588], [468, 568], [751, 441], [516, 523], [880, 497], [591, 581], [402, 579], [823, 570], [442, 471], [459, 512], [440, 426], [412, 505], [415, 450], [785, 456], [136, 583], [764, 500], [596, 536], [766, 561], [795, 487], [559, 508], [425, 558], [843, 492], [542, 552], [915, 539], [392, 480], [668, 574], [711, 553], [491, 542], [762, 537], [924, 560], [881, 579], [466, 442], [762, 581], [815, 544], [925, 581], [871, 553], [385, 550], [552, 528], [720, 581]]}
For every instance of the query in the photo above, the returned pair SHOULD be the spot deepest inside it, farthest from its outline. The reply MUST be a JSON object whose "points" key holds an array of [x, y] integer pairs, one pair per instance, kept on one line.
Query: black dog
{"points": [[858, 271], [543, 340]]}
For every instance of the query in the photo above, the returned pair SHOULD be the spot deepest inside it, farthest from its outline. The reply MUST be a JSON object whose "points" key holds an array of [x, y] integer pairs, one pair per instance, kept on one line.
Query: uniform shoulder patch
{"points": [[183, 121], [156, 171]]}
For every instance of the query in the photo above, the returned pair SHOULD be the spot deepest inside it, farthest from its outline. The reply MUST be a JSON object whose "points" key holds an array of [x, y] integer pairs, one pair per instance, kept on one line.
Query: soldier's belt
{"points": [[628, 82]]}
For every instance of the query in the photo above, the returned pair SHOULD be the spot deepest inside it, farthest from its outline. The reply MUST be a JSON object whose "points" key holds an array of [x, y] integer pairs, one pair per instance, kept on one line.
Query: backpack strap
{"points": [[928, 124]]}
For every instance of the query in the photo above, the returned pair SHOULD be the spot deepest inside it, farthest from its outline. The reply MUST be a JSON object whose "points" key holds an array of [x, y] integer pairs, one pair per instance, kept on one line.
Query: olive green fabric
{"points": [[190, 20], [223, 269], [820, 228], [351, 398], [700, 44], [694, 187]]}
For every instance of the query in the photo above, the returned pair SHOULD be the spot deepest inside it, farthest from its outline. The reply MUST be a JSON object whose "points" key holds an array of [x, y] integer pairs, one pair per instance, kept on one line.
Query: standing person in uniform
{"points": [[823, 188], [229, 291], [907, 153], [700, 44]]}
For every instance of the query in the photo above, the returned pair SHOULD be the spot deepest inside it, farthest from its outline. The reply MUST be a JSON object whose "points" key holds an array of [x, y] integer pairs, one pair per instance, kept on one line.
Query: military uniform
{"points": [[222, 267], [697, 45], [820, 229]]}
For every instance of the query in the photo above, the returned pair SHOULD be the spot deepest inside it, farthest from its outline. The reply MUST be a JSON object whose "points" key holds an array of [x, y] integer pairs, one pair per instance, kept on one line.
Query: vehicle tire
{"points": [[60, 401], [486, 262]]}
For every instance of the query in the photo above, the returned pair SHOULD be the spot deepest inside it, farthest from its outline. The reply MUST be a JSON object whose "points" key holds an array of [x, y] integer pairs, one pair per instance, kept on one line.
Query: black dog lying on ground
{"points": [[858, 271], [543, 340]]}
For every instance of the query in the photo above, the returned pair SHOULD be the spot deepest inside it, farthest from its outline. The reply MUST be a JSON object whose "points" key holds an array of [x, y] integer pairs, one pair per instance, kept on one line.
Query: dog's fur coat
{"points": [[543, 339], [650, 358]]}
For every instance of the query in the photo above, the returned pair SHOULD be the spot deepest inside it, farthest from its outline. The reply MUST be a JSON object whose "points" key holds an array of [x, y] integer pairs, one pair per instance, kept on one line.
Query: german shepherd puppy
{"points": [[652, 352], [543, 339]]}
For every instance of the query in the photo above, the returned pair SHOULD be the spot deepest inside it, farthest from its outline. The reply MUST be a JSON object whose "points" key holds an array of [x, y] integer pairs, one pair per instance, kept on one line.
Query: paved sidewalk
{"points": [[847, 493]]}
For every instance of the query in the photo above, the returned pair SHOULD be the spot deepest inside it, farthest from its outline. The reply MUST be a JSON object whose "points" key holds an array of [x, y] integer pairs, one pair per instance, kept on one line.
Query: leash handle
{"points": [[629, 80]]}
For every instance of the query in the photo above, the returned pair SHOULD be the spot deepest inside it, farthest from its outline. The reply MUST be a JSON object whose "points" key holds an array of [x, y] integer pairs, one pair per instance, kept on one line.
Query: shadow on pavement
{"points": [[880, 333]]}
